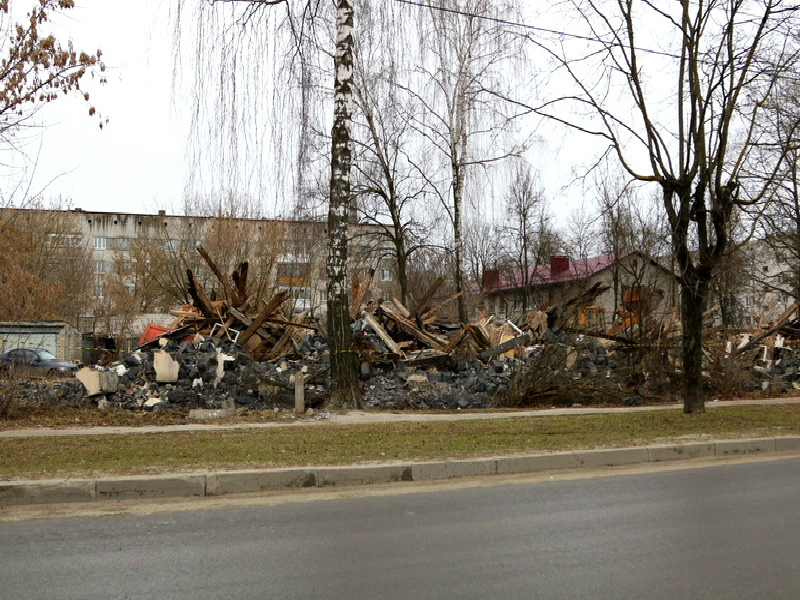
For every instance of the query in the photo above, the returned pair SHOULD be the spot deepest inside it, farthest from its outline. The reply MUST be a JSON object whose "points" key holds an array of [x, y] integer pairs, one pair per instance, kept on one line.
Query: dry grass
{"points": [[37, 416], [331, 444]]}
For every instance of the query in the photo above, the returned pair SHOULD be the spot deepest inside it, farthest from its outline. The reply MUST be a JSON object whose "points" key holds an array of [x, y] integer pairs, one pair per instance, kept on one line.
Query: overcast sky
{"points": [[136, 163]]}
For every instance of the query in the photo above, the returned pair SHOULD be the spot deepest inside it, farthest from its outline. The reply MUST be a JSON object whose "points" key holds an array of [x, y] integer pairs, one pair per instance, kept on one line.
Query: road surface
{"points": [[728, 531]]}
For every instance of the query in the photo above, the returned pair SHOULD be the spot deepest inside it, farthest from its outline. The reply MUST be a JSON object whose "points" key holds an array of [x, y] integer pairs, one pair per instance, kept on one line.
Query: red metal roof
{"points": [[578, 269]]}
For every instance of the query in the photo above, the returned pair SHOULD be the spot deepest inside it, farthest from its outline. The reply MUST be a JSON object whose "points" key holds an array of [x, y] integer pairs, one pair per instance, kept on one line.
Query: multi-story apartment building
{"points": [[139, 261], [768, 284]]}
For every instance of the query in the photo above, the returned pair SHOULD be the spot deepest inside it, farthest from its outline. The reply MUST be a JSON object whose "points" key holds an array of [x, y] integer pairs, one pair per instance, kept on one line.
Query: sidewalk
{"points": [[359, 417], [199, 484], [220, 483]]}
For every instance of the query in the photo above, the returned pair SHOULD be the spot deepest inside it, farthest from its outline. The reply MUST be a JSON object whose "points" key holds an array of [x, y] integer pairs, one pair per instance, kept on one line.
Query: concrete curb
{"points": [[238, 482]]}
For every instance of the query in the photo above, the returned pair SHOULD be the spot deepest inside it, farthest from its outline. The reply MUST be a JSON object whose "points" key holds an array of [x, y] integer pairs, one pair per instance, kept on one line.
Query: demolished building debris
{"points": [[222, 352]]}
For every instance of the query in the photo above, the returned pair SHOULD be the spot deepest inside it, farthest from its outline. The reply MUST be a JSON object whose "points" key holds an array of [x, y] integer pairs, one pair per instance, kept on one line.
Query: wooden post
{"points": [[299, 393]]}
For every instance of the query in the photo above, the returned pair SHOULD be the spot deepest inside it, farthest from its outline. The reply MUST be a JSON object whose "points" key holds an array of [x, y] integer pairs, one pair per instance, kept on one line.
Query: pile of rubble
{"points": [[202, 374], [260, 328], [228, 353], [67, 392]]}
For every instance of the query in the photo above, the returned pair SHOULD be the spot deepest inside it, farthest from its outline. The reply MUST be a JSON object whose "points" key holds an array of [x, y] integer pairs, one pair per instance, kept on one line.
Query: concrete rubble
{"points": [[409, 358], [219, 375]]}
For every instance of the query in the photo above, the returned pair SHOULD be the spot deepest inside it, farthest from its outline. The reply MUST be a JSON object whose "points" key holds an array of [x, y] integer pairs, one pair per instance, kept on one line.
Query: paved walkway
{"points": [[360, 417]]}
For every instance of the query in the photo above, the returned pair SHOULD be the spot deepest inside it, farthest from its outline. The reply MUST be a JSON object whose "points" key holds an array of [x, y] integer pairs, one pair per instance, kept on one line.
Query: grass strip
{"points": [[332, 444]]}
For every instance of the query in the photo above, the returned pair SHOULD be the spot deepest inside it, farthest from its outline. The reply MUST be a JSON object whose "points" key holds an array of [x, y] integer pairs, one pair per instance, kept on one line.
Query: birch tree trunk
{"points": [[458, 158], [345, 389], [458, 245]]}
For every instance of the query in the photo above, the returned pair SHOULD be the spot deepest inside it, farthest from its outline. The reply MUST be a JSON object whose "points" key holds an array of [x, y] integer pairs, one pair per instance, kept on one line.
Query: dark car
{"points": [[36, 362]]}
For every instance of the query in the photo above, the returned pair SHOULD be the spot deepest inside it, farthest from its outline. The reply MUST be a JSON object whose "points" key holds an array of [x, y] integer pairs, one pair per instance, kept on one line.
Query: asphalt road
{"points": [[717, 532]]}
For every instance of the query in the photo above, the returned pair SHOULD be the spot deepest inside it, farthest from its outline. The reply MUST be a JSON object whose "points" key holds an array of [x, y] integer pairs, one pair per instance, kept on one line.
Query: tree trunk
{"points": [[693, 300], [402, 268], [458, 241], [345, 389]]}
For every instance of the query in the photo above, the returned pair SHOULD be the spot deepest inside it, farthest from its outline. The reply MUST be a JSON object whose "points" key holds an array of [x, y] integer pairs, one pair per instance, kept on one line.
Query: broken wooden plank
{"points": [[239, 277], [482, 336], [537, 322], [401, 309], [198, 295], [601, 335], [412, 330], [223, 279], [279, 347], [430, 315], [263, 315], [782, 320], [186, 314], [479, 336], [520, 340], [381, 333], [420, 305], [456, 340], [246, 321], [428, 358]]}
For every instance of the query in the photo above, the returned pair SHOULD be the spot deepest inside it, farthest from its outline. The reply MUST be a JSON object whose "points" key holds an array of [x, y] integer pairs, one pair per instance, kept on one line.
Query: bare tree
{"points": [[718, 63], [481, 250], [253, 20], [461, 118], [529, 237], [630, 224], [388, 185]]}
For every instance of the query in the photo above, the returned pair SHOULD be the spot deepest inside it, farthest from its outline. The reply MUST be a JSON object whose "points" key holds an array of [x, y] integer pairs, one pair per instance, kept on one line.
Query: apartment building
{"points": [[767, 286], [139, 261]]}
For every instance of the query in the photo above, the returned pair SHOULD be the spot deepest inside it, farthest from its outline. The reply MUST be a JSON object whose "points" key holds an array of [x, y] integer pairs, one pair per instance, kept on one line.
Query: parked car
{"points": [[35, 362]]}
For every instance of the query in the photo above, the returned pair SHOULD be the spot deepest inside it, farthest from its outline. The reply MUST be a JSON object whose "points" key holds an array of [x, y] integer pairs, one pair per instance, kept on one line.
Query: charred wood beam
{"points": [[199, 297], [263, 315], [223, 279], [239, 277]]}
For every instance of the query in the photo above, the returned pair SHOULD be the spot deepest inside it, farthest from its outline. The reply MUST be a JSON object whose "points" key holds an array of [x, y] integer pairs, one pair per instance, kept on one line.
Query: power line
{"points": [[521, 25]]}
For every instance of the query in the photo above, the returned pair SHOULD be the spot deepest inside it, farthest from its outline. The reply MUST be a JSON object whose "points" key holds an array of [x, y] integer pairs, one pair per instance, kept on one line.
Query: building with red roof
{"points": [[632, 283]]}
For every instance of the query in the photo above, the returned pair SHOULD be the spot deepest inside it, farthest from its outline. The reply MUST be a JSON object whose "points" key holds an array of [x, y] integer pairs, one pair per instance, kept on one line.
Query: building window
{"points": [[100, 243], [293, 270], [64, 239], [386, 275], [765, 268], [748, 300], [99, 290], [301, 293], [122, 243], [99, 266]]}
